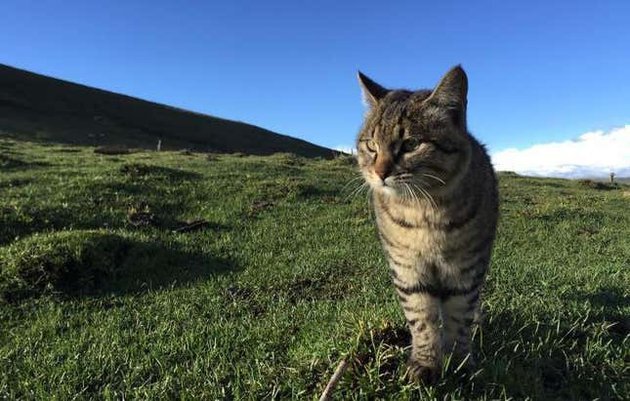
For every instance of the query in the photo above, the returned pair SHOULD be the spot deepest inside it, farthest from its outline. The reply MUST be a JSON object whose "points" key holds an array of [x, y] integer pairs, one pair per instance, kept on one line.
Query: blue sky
{"points": [[539, 71]]}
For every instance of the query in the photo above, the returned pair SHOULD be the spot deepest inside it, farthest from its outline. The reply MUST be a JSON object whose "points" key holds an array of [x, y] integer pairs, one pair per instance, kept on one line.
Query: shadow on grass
{"points": [[92, 263], [97, 211], [16, 182], [607, 303], [607, 297], [9, 163], [137, 170], [516, 359], [562, 214], [333, 282]]}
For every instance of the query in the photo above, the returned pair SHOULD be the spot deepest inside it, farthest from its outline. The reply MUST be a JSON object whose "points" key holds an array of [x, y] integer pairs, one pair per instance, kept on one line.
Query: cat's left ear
{"points": [[452, 89], [452, 93], [372, 92]]}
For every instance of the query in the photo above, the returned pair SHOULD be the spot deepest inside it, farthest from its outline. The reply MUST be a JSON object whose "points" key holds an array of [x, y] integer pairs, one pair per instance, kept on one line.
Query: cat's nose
{"points": [[383, 168], [382, 174]]}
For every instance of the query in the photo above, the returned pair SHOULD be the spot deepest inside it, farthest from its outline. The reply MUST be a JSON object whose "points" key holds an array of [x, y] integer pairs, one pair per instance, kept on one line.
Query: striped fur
{"points": [[436, 204]]}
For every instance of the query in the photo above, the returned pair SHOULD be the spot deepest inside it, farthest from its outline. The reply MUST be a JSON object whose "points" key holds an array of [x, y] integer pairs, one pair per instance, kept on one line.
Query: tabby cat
{"points": [[436, 204]]}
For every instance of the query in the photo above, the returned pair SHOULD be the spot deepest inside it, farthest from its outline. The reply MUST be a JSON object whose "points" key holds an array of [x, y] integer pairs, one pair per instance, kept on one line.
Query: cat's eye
{"points": [[371, 145], [409, 145]]}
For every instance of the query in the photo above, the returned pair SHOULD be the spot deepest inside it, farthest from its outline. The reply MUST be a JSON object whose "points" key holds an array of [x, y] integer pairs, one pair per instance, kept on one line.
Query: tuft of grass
{"points": [[279, 277]]}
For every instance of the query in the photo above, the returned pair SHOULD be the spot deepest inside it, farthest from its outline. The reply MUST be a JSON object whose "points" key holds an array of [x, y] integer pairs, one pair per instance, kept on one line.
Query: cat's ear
{"points": [[452, 91], [451, 95], [372, 92]]}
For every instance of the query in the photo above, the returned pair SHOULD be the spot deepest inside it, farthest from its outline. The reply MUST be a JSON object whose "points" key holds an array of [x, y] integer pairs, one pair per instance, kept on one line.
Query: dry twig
{"points": [[341, 368], [192, 226]]}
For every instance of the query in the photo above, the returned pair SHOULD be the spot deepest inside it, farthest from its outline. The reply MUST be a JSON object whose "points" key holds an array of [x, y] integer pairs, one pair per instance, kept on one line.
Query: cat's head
{"points": [[414, 141]]}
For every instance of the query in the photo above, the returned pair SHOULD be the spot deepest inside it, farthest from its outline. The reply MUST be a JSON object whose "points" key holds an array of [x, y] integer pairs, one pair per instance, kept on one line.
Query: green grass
{"points": [[100, 298]]}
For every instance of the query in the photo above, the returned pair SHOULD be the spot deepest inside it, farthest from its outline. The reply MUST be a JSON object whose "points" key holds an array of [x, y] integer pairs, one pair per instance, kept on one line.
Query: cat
{"points": [[435, 199]]}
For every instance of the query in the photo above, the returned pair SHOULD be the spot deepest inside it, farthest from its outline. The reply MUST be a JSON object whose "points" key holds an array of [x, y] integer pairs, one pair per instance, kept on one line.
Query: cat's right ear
{"points": [[372, 92]]}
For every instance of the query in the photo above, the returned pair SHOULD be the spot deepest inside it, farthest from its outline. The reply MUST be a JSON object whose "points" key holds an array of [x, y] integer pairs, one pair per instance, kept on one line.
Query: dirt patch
{"points": [[311, 289], [141, 216], [240, 296], [258, 206], [602, 186], [381, 349], [587, 231], [113, 150], [333, 282]]}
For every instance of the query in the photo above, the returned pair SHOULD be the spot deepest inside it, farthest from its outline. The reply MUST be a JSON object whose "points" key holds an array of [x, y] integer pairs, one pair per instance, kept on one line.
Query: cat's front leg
{"points": [[459, 315], [422, 312]]}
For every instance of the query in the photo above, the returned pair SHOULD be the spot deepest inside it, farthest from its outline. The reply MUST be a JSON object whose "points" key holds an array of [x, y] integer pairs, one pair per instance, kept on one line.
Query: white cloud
{"points": [[593, 154]]}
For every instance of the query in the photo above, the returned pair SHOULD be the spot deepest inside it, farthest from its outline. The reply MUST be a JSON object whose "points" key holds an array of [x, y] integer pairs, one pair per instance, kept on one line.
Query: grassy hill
{"points": [[40, 108], [107, 291]]}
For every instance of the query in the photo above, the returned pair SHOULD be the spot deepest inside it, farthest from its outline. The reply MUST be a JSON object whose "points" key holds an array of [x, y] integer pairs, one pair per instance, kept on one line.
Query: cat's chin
{"points": [[387, 191]]}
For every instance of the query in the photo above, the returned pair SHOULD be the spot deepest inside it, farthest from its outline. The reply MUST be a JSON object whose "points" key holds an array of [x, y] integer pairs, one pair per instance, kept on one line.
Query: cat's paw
{"points": [[418, 371]]}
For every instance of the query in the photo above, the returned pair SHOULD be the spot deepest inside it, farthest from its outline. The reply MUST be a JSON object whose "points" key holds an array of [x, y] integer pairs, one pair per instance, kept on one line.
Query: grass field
{"points": [[101, 297]]}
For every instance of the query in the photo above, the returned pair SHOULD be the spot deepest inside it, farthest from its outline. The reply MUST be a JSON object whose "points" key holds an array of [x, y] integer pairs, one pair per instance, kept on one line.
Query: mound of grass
{"points": [[72, 263], [597, 185], [67, 262], [81, 262]]}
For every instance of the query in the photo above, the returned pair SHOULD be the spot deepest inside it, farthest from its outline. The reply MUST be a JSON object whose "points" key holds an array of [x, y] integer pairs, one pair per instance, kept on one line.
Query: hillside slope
{"points": [[40, 108]]}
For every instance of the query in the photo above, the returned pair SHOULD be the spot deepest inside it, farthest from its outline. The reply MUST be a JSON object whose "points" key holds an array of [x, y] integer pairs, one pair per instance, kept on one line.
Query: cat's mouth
{"points": [[392, 185], [404, 186], [388, 187]]}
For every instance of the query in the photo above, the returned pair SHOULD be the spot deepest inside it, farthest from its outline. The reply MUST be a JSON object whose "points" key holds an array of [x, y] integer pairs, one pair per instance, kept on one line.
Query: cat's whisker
{"points": [[403, 186], [350, 182], [404, 194], [412, 195], [358, 177], [431, 199], [360, 189], [415, 195], [412, 198], [438, 179], [368, 193], [357, 190], [426, 195], [435, 206], [409, 186]]}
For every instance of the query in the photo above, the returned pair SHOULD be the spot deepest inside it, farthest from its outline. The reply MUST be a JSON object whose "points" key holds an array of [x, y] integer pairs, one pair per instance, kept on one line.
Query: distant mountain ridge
{"points": [[44, 109]]}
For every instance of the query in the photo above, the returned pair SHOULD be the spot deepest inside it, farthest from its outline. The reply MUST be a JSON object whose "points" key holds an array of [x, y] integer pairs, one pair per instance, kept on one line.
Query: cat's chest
{"points": [[410, 231]]}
